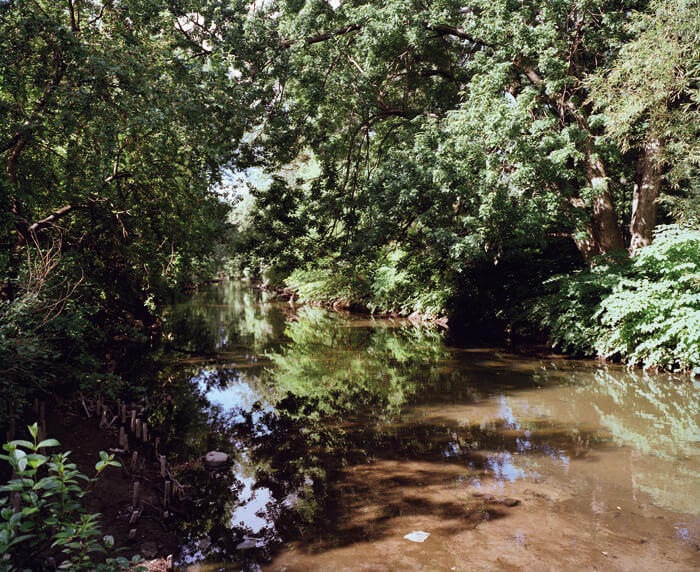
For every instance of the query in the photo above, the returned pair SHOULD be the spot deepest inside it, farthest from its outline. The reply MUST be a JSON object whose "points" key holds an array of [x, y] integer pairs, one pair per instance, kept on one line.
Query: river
{"points": [[349, 433]]}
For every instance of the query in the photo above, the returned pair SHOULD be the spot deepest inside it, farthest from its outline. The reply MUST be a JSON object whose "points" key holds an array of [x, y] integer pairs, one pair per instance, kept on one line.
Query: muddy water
{"points": [[349, 433]]}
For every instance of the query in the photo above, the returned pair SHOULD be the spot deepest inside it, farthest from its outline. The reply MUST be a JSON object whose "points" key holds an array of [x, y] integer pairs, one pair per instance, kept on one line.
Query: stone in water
{"points": [[215, 460], [417, 536]]}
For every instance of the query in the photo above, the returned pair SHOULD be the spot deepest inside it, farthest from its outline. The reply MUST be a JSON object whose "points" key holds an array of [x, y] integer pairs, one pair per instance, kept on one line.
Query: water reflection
{"points": [[345, 430]]}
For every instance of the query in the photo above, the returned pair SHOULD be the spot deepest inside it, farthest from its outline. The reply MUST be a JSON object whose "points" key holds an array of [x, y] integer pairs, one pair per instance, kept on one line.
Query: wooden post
{"points": [[133, 420], [162, 466], [42, 420], [41, 435], [134, 460], [122, 435], [132, 534], [166, 493], [138, 428], [145, 432], [126, 443], [137, 490], [169, 562]]}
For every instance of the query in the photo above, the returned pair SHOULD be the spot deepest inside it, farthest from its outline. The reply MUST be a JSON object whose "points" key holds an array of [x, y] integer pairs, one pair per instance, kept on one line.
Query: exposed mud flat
{"points": [[582, 523]]}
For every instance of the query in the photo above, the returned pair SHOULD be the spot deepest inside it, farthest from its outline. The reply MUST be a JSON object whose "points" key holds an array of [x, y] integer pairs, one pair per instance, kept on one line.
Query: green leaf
{"points": [[48, 443], [22, 443], [33, 431]]}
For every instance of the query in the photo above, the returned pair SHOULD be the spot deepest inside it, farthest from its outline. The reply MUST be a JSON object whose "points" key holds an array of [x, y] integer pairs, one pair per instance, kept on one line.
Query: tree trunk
{"points": [[588, 247], [605, 230], [646, 194]]}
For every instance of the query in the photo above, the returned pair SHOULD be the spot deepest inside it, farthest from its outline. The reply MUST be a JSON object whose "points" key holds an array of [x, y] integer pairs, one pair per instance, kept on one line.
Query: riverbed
{"points": [[348, 433]]}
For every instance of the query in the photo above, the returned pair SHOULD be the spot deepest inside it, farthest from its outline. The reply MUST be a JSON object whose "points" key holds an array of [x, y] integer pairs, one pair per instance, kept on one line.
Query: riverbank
{"points": [[113, 495]]}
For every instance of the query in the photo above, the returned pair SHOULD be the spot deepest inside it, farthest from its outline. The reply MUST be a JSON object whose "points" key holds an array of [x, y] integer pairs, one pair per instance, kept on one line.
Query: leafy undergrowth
{"points": [[43, 520], [395, 283], [644, 311]]}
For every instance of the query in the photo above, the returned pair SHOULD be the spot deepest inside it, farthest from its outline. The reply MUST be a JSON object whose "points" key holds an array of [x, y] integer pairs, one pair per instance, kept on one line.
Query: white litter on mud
{"points": [[417, 536]]}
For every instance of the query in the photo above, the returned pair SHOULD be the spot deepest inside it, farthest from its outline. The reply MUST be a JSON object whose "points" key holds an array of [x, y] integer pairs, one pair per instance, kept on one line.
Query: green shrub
{"points": [[642, 311], [567, 311], [49, 520], [396, 284], [335, 284], [653, 317], [397, 287]]}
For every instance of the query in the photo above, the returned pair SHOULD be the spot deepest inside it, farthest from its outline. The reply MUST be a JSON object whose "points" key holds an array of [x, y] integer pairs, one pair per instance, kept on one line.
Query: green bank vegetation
{"points": [[506, 164]]}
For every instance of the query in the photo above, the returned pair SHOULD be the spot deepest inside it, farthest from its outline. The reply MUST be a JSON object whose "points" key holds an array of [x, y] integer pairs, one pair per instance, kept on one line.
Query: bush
{"points": [[42, 516], [393, 283], [338, 285], [653, 317], [642, 311]]}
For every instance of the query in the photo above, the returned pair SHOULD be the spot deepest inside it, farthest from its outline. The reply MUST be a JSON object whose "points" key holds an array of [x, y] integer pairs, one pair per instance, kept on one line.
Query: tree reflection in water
{"points": [[308, 401]]}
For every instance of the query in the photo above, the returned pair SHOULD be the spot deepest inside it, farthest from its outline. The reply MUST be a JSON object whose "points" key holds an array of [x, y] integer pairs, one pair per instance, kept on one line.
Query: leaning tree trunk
{"points": [[645, 195]]}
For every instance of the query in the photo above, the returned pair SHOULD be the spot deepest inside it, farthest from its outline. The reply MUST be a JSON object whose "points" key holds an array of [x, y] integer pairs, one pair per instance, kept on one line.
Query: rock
{"points": [[511, 502], [215, 460], [250, 542]]}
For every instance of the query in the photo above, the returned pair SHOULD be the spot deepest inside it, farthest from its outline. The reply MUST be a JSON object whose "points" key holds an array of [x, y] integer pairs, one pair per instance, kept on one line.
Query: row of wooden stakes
{"points": [[132, 424]]}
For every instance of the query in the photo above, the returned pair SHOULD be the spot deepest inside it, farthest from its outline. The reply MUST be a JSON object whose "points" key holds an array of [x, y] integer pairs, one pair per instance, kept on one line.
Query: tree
{"points": [[448, 133], [651, 99], [118, 121]]}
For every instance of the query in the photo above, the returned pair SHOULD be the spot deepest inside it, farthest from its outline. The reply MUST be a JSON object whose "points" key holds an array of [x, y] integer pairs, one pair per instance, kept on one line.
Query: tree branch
{"points": [[284, 44], [439, 29]]}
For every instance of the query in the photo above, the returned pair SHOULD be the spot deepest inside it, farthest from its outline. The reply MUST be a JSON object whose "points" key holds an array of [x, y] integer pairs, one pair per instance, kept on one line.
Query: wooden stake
{"points": [[133, 420], [162, 466], [134, 460], [122, 435], [145, 432], [132, 534], [126, 443], [169, 562], [87, 411], [166, 493], [137, 490], [138, 428]]}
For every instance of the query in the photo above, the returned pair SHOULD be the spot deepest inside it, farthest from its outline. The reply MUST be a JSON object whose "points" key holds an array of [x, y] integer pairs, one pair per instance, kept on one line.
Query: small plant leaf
{"points": [[49, 443]]}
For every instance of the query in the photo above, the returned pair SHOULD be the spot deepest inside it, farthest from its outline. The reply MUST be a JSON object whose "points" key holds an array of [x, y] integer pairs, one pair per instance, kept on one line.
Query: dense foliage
{"points": [[435, 141], [395, 156], [644, 311], [118, 120]]}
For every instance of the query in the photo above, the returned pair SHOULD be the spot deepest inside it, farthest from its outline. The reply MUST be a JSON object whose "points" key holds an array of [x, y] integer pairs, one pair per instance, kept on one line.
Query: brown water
{"points": [[350, 433]]}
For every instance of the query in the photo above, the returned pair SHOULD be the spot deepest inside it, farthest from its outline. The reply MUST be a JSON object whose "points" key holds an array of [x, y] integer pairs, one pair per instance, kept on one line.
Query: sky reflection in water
{"points": [[299, 396]]}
